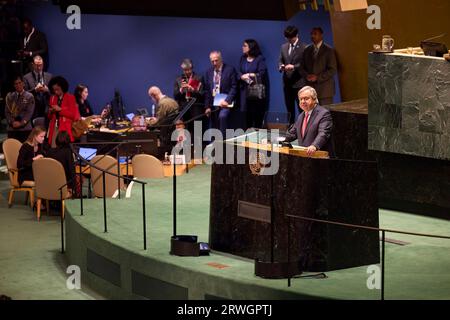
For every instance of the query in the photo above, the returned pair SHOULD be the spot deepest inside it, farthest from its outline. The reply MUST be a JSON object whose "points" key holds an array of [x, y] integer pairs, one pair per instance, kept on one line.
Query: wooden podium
{"points": [[295, 151], [248, 214]]}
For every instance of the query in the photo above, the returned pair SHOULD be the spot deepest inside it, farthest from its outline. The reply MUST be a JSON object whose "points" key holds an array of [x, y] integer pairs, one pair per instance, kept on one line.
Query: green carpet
{"points": [[418, 270], [31, 266]]}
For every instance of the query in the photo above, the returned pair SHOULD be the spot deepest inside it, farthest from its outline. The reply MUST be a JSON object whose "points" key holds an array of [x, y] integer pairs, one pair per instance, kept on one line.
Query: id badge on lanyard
{"points": [[216, 90]]}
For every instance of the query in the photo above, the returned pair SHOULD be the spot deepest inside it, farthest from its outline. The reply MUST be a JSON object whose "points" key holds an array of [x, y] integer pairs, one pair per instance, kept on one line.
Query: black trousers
{"points": [[255, 113], [291, 101], [196, 111]]}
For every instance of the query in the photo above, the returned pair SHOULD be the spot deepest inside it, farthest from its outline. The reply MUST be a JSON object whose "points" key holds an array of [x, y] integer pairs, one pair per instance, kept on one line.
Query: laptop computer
{"points": [[87, 153], [130, 116]]}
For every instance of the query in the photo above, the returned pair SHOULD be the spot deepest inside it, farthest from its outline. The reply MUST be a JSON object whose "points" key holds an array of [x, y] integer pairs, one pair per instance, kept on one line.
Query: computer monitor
{"points": [[142, 112], [276, 121], [117, 106], [87, 153], [434, 49]]}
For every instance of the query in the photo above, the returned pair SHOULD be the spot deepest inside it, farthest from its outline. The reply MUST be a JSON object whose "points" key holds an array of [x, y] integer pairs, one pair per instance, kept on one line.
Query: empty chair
{"points": [[11, 149], [147, 166], [109, 164], [39, 122], [49, 176]]}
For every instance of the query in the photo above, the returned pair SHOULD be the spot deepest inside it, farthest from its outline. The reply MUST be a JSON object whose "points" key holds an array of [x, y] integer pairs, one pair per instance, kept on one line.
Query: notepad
{"points": [[179, 159], [218, 99]]}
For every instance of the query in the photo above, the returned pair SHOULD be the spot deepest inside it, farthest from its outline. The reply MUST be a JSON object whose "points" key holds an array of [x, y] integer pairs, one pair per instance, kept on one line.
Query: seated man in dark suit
{"points": [[314, 124], [220, 78]]}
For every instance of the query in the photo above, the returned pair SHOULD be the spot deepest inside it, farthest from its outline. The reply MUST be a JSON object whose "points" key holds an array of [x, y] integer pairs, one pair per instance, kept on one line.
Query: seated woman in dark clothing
{"points": [[63, 154], [81, 95], [31, 150]]}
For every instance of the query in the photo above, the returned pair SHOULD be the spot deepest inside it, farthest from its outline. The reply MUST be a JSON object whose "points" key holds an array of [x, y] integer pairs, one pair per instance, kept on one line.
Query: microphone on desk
{"points": [[286, 144]]}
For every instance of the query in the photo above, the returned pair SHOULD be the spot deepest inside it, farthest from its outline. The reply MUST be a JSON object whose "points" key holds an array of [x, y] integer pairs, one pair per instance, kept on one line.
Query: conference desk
{"points": [[133, 142], [295, 151], [168, 169]]}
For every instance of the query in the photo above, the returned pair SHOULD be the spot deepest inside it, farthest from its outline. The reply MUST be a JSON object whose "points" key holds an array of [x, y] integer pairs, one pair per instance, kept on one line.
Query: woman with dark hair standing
{"points": [[81, 95], [252, 69], [63, 109]]}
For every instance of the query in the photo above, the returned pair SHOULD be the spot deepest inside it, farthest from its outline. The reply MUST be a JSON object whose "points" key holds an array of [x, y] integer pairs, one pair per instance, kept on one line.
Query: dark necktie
{"points": [[217, 81], [316, 52], [291, 49], [305, 124], [39, 78]]}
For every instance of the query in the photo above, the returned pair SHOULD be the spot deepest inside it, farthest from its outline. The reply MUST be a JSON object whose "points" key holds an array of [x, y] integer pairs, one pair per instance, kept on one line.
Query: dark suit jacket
{"points": [[30, 80], [228, 84], [318, 130], [293, 78], [324, 66], [180, 97], [37, 44], [85, 108], [257, 66], [41, 99]]}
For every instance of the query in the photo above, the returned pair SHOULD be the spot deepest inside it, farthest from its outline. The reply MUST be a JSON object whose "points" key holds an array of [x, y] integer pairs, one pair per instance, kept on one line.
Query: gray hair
{"points": [[37, 57], [216, 52], [187, 64], [311, 90]]}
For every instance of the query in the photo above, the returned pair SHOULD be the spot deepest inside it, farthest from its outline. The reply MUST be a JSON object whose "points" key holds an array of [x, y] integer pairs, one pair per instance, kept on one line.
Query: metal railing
{"points": [[90, 165], [383, 240], [104, 172]]}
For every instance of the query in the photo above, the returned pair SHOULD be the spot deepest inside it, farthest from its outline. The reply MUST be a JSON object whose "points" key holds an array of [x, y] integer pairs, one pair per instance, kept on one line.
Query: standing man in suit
{"points": [[220, 79], [289, 64], [36, 82], [34, 43], [314, 125], [319, 67]]}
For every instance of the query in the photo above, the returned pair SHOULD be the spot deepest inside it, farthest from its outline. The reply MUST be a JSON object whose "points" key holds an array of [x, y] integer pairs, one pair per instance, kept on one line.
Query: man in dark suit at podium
{"points": [[314, 124]]}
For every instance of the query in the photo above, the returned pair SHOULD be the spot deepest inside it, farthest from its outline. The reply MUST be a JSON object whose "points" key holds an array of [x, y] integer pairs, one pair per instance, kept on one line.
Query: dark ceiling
{"points": [[227, 9]]}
